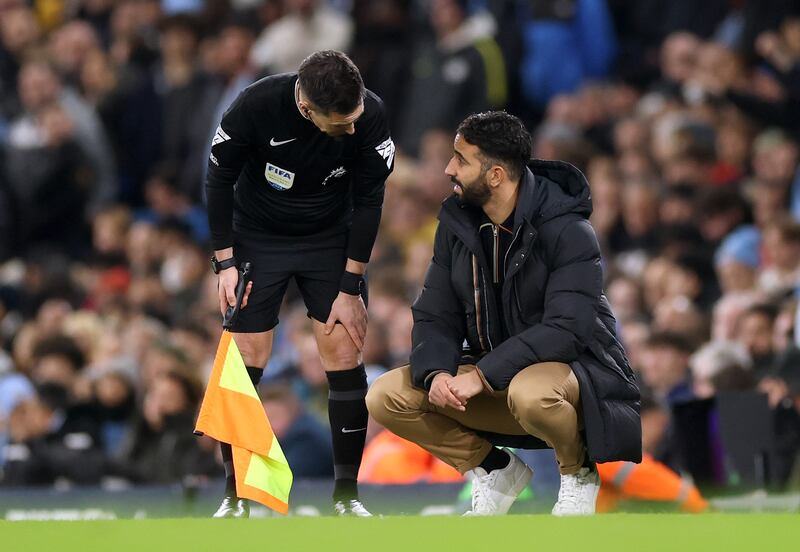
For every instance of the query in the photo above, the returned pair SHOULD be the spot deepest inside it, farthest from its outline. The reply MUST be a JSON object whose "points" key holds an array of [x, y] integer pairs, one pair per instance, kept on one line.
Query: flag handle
{"points": [[233, 312]]}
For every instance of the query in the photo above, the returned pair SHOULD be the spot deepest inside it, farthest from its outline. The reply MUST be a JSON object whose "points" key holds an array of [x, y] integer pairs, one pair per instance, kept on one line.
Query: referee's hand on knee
{"points": [[352, 313], [228, 279]]}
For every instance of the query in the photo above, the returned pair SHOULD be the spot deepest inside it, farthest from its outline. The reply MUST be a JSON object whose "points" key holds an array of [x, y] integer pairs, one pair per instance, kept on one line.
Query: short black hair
{"points": [[60, 346], [181, 22], [766, 310], [670, 340], [682, 191], [332, 82], [189, 384], [720, 201], [697, 262], [502, 139]]}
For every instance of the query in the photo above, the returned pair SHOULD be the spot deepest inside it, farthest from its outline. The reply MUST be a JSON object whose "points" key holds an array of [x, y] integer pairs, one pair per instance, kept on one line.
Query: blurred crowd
{"points": [[683, 115]]}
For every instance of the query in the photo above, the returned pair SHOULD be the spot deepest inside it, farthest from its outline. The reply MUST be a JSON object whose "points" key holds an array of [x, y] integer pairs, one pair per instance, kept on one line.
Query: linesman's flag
{"points": [[232, 413]]}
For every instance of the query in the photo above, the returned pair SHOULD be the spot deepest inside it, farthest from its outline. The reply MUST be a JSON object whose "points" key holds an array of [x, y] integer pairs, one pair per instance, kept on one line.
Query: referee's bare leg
{"points": [[347, 412], [255, 349]]}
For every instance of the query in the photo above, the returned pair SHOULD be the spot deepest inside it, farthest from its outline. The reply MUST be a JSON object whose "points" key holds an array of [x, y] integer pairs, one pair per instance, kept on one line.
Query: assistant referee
{"points": [[295, 186]]}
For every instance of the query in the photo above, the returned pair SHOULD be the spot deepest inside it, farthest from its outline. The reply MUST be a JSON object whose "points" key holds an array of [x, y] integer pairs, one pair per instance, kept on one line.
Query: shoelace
{"points": [[569, 490], [481, 498]]}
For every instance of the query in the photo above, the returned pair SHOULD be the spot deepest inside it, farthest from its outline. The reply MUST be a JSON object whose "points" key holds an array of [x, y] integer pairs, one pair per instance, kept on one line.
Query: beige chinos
{"points": [[542, 400]]}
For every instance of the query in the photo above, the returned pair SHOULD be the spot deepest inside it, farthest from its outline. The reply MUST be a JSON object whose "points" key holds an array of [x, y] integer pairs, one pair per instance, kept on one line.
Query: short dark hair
{"points": [[331, 81], [670, 340], [181, 22], [188, 383], [502, 139], [788, 228], [60, 346], [766, 310], [719, 201]]}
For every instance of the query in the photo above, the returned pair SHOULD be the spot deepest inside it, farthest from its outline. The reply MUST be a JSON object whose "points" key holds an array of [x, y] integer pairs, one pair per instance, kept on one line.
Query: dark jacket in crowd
{"points": [[307, 447], [449, 85], [162, 456], [51, 186], [72, 451], [553, 304]]}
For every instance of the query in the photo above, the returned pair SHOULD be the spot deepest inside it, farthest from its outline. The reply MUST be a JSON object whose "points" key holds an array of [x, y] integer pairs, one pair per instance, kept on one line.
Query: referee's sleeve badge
{"points": [[219, 136], [386, 150]]}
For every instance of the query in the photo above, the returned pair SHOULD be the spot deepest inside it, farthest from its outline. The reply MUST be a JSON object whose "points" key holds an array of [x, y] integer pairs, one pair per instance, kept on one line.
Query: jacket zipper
{"points": [[476, 288]]}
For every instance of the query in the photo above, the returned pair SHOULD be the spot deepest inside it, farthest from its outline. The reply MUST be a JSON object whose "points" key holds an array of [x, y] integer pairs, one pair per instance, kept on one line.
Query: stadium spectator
{"points": [[305, 441], [115, 398], [187, 96], [566, 43], [51, 177], [307, 27], [165, 200], [665, 367], [160, 447], [19, 31], [462, 63], [737, 260], [754, 331], [721, 366], [14, 388], [782, 250], [51, 441]]}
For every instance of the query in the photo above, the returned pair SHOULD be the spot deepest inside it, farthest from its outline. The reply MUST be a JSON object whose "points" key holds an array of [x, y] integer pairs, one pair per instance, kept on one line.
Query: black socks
{"points": [[255, 375], [497, 459], [347, 412], [227, 453], [227, 463]]}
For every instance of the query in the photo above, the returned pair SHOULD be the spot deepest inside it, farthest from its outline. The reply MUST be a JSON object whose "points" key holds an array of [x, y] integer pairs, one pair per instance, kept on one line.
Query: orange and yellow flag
{"points": [[232, 413]]}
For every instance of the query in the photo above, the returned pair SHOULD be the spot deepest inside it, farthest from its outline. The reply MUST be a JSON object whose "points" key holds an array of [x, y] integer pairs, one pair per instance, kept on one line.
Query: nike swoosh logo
{"points": [[353, 430], [272, 142]]}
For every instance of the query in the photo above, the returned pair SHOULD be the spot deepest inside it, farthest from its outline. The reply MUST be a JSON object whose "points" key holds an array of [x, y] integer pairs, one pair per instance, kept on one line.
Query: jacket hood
{"points": [[550, 189]]}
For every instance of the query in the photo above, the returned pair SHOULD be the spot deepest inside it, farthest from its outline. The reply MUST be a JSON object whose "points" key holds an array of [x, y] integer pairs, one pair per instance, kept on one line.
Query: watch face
{"points": [[214, 265]]}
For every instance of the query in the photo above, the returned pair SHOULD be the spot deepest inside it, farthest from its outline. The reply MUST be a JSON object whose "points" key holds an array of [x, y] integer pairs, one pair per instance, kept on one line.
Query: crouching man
{"points": [[516, 279]]}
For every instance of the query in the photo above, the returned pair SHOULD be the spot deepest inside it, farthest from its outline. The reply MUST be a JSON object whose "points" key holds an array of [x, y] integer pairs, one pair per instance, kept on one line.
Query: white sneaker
{"points": [[578, 493], [493, 493]]}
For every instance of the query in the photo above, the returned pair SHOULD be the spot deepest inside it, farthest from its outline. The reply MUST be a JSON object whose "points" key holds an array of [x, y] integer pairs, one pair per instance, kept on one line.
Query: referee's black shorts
{"points": [[316, 262]]}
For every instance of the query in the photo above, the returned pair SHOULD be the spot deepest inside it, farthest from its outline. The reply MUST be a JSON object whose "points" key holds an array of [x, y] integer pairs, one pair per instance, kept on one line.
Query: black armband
{"points": [[351, 283]]}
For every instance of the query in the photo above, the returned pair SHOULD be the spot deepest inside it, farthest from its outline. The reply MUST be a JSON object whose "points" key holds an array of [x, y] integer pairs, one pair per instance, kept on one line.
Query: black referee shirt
{"points": [[290, 178]]}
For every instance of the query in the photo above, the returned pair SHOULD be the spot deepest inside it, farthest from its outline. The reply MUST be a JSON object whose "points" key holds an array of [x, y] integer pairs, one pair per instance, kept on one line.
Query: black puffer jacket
{"points": [[552, 299]]}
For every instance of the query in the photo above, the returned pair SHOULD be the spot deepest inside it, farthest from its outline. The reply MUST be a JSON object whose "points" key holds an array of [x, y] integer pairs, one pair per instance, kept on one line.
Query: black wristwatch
{"points": [[351, 283], [219, 266]]}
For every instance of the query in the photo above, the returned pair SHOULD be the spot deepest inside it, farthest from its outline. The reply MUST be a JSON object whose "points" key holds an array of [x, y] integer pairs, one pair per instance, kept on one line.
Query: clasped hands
{"points": [[455, 391]]}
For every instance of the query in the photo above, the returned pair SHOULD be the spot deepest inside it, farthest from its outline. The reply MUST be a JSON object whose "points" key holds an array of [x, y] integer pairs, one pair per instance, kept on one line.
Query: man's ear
{"points": [[495, 175]]}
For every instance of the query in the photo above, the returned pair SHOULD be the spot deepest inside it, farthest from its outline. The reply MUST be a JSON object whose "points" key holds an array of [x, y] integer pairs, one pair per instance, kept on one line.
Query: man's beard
{"points": [[477, 193]]}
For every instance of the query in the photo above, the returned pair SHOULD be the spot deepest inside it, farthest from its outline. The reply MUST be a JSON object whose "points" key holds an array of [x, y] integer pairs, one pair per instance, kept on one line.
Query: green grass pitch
{"points": [[618, 532]]}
